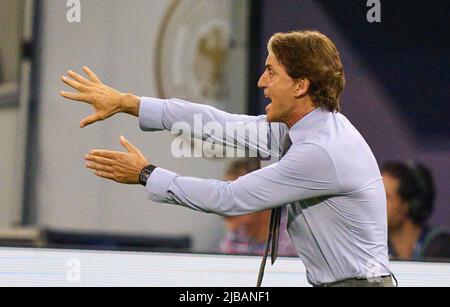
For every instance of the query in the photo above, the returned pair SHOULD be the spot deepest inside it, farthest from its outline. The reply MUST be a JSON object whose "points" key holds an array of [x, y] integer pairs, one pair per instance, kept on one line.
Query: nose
{"points": [[262, 83]]}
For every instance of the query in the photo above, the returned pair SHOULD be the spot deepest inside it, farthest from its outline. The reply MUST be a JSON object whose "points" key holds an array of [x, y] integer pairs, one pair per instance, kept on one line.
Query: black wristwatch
{"points": [[145, 174]]}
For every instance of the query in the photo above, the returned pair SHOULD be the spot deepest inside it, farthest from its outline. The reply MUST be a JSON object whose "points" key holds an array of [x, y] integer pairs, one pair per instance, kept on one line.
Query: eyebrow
{"points": [[268, 66]]}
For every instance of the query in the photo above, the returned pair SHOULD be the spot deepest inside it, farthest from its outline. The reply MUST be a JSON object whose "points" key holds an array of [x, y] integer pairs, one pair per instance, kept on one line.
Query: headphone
{"points": [[421, 192]]}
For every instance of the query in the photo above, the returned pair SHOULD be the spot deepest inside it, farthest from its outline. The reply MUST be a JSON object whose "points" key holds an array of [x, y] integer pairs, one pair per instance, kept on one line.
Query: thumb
{"points": [[127, 145], [89, 120]]}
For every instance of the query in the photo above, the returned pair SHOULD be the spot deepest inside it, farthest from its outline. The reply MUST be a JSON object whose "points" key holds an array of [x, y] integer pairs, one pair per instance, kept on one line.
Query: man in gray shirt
{"points": [[326, 174]]}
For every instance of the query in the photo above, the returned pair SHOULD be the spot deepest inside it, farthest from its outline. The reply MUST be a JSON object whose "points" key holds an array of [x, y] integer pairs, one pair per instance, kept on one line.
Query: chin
{"points": [[271, 118]]}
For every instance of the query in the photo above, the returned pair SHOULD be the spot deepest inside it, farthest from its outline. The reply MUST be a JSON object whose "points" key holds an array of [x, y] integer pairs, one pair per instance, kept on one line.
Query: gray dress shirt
{"points": [[329, 180]]}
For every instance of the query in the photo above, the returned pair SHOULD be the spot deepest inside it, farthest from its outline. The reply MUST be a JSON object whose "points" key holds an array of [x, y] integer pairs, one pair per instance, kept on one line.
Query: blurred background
{"points": [[206, 51]]}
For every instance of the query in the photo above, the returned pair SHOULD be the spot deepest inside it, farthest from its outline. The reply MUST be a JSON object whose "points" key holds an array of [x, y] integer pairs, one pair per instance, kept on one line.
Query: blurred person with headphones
{"points": [[410, 195], [246, 234]]}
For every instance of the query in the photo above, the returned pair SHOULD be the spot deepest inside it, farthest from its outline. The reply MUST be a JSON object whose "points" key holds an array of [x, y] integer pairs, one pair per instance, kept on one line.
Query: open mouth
{"points": [[269, 102]]}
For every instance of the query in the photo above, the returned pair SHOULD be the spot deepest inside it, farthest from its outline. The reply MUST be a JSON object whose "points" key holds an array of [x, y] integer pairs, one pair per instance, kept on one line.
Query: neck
{"points": [[303, 107], [404, 238]]}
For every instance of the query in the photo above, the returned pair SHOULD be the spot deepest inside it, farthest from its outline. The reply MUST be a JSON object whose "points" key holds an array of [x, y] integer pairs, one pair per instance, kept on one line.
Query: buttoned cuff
{"points": [[158, 185], [150, 114]]}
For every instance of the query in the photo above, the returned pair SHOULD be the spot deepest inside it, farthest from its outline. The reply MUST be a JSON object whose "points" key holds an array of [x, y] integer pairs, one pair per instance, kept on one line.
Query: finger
{"points": [[105, 175], [89, 120], [74, 96], [127, 145], [99, 167], [79, 78], [98, 159], [74, 84], [113, 155], [91, 74]]}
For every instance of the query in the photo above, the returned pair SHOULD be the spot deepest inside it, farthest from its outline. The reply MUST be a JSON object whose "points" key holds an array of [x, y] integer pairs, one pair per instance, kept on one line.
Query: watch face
{"points": [[145, 174]]}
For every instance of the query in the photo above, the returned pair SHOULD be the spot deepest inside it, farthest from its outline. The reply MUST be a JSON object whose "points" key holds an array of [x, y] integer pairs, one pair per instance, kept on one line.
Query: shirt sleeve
{"points": [[208, 123], [305, 172]]}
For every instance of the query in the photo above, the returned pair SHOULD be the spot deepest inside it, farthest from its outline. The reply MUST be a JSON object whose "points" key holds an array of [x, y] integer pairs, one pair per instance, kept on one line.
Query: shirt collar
{"points": [[307, 124]]}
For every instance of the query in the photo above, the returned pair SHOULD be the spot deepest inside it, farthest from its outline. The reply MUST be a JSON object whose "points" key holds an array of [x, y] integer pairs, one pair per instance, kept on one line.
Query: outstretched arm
{"points": [[241, 131], [304, 172], [208, 123]]}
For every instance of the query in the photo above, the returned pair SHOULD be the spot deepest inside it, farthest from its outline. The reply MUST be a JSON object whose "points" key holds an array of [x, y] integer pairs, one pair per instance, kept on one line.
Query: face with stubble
{"points": [[280, 89]]}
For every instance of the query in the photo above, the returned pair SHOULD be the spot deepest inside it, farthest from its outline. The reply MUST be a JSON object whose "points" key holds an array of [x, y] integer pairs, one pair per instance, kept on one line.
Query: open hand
{"points": [[105, 100], [122, 167]]}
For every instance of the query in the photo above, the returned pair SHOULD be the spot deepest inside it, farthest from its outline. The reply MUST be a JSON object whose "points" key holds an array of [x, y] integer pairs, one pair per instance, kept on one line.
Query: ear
{"points": [[302, 88]]}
